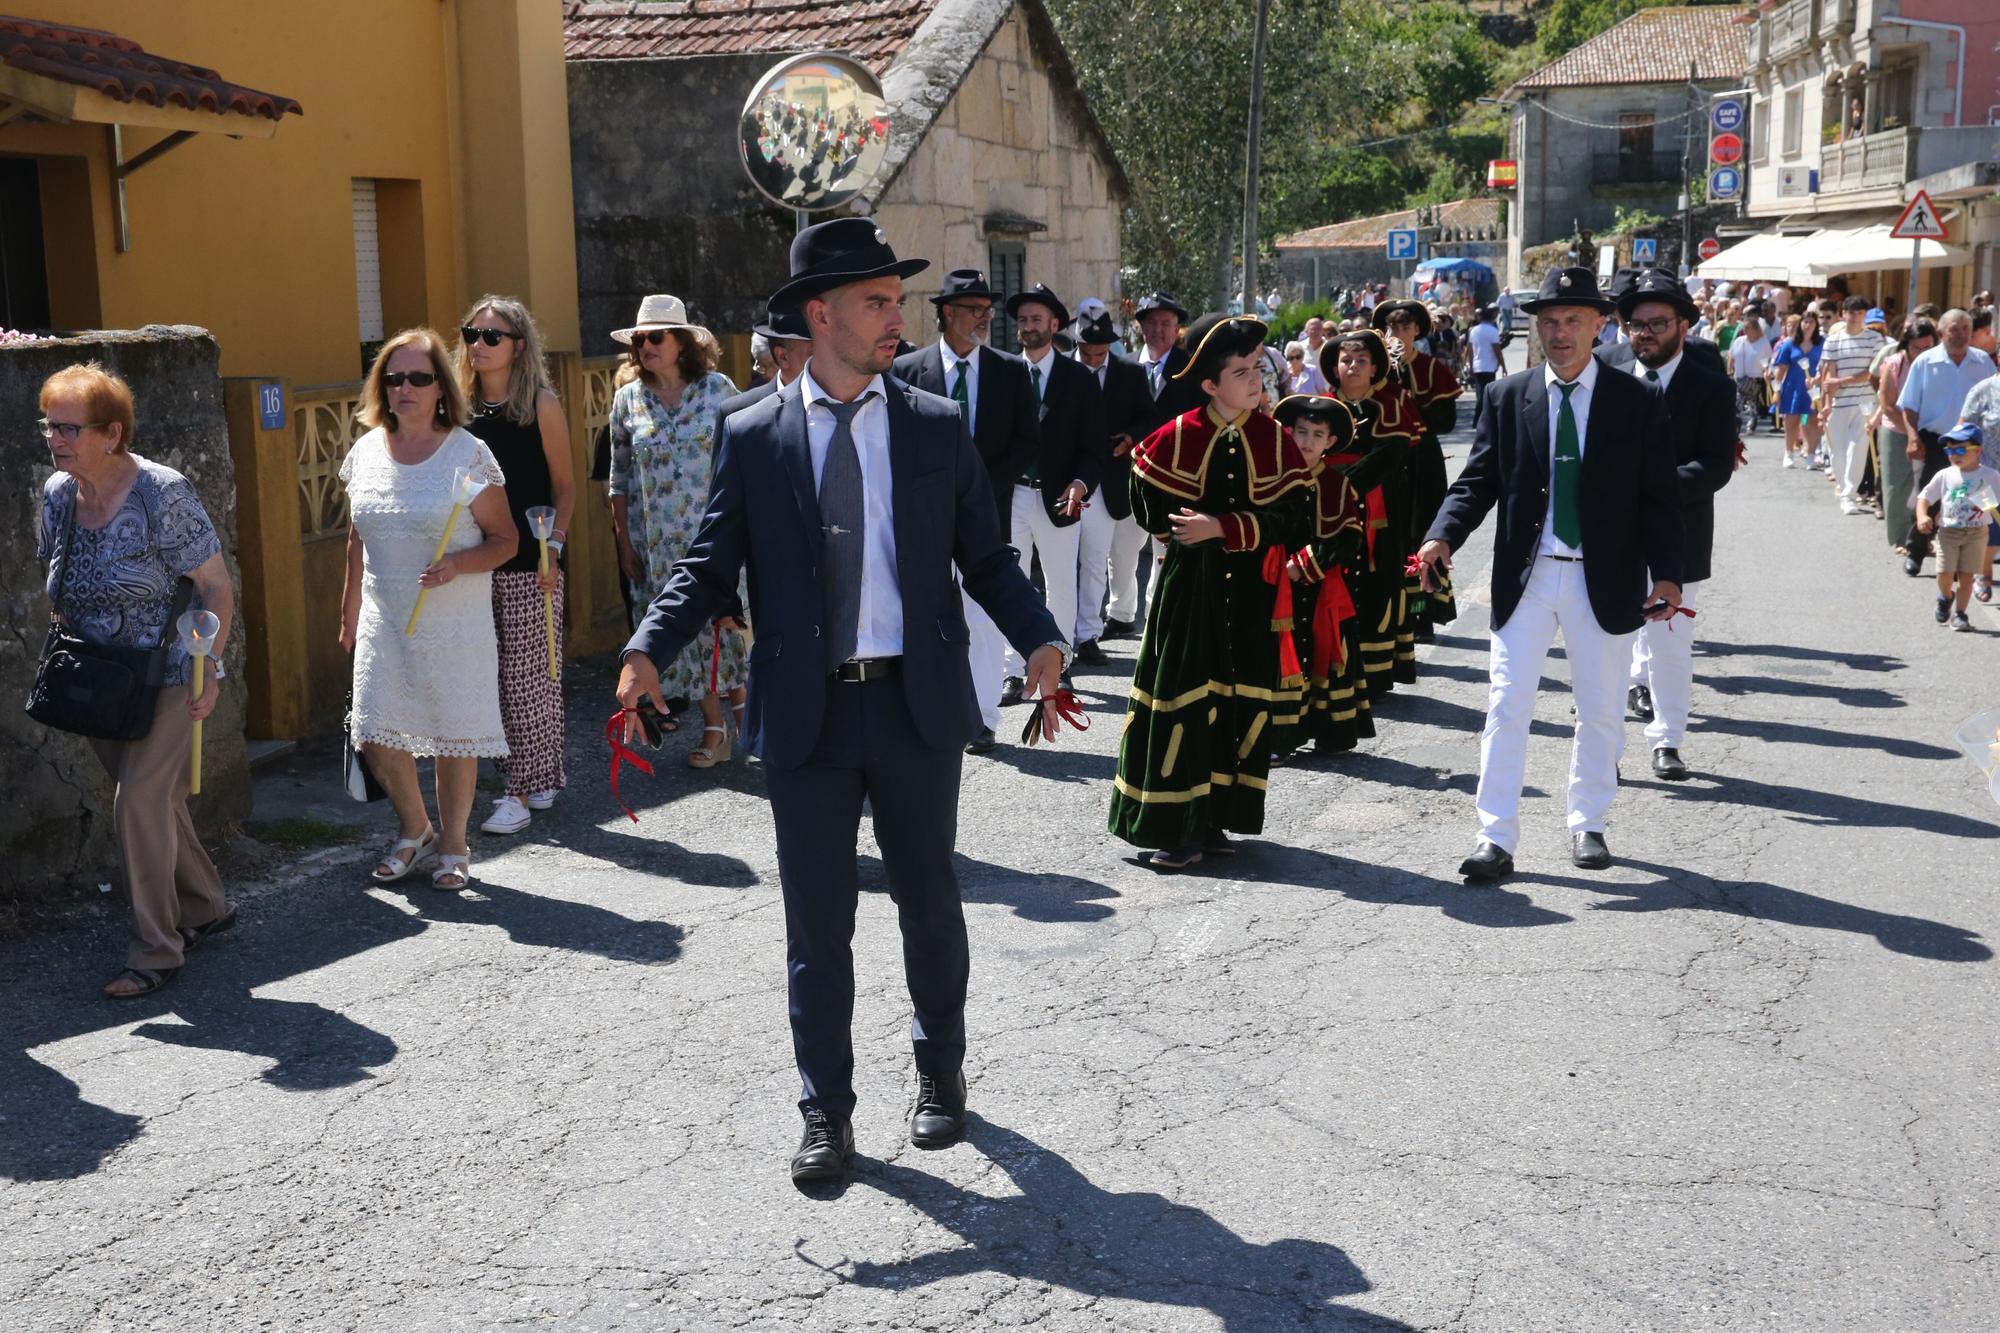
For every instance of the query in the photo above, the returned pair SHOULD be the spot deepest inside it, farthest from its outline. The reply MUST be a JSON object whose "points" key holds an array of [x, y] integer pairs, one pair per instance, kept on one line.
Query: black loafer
{"points": [[1667, 764], [1486, 864], [1119, 629], [983, 743], [1588, 852], [825, 1149], [1010, 691], [1091, 653], [1913, 565], [1640, 700], [937, 1118]]}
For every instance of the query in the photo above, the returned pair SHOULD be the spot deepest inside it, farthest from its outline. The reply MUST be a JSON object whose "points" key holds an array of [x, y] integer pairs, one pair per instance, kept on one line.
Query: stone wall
{"points": [[55, 827], [1005, 149]]}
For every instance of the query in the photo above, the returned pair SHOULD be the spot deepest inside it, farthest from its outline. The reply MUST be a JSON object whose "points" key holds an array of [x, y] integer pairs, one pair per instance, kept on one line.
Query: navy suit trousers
{"points": [[868, 748]]}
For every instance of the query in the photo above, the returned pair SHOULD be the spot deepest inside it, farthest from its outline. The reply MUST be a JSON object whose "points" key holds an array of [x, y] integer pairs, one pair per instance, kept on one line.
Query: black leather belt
{"points": [[1566, 559], [858, 669]]}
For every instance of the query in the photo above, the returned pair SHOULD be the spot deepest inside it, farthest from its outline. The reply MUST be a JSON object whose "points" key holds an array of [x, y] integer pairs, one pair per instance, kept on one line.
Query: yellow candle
{"points": [[444, 537], [549, 610], [194, 787]]}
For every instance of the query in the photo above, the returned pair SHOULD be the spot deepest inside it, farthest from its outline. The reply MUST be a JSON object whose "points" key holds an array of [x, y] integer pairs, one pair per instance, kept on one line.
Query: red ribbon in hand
{"points": [[1281, 616], [1678, 611], [614, 734], [1067, 707]]}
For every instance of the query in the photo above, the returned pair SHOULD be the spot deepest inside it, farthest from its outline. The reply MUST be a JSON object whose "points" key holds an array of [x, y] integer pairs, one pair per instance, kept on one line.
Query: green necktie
{"points": [[1653, 376], [958, 394], [1037, 372], [1569, 466]]}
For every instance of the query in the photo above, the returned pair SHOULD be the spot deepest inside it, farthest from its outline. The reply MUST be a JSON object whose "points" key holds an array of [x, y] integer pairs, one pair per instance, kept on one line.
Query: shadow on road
{"points": [[1065, 1231], [1819, 807], [1837, 738], [1794, 653], [1034, 897], [1851, 696], [1301, 867]]}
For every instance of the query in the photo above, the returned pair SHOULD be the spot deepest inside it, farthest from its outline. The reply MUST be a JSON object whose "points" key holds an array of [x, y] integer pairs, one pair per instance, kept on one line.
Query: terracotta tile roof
{"points": [[126, 72], [1375, 231], [875, 31], [1655, 46]]}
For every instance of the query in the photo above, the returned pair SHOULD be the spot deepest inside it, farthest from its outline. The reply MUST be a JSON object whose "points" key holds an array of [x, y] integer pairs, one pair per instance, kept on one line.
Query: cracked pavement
{"points": [[1743, 1080]]}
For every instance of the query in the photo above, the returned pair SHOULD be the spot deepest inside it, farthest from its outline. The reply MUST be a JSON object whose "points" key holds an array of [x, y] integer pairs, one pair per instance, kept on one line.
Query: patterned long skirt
{"points": [[531, 704]]}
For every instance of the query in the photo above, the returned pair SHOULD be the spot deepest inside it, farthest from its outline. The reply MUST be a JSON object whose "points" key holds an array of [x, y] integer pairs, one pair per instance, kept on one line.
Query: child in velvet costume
{"points": [[1434, 390], [1224, 487], [1379, 464], [1333, 715]]}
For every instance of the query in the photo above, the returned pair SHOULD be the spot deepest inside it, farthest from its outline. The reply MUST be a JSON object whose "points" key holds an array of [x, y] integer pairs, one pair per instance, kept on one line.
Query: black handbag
{"points": [[96, 689], [355, 776]]}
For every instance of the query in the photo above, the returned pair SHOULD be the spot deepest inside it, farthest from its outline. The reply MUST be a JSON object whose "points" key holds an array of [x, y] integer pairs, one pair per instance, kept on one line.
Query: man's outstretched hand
{"points": [[1434, 560], [1043, 680], [637, 681]]}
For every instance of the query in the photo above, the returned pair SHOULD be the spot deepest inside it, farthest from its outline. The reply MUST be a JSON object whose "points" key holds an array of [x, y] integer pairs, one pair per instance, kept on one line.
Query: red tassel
{"points": [[1336, 606], [1281, 615], [614, 734], [1378, 519]]}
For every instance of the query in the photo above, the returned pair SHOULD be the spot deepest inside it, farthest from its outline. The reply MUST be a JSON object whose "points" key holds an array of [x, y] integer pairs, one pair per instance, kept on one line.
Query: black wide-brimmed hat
{"points": [[1655, 284], [786, 325], [1208, 337], [1318, 407], [1329, 355], [962, 283], [1157, 301], [1096, 332], [1416, 310], [1040, 295], [832, 254], [1569, 286]]}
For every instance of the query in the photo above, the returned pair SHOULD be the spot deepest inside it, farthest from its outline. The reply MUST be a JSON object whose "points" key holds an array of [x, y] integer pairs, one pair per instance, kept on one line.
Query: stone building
{"points": [[1320, 260], [1602, 127], [995, 161]]}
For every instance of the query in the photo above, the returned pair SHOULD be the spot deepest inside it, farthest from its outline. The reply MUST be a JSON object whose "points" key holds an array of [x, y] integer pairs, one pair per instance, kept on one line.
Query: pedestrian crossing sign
{"points": [[1920, 221], [1645, 251]]}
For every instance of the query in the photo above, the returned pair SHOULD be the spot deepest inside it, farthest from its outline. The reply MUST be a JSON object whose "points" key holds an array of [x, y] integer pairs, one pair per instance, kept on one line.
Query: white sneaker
{"points": [[542, 800], [1791, 459], [509, 816], [1849, 507]]}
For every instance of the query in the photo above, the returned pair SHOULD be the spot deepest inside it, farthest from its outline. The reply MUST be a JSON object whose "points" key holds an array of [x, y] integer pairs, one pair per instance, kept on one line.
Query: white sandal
{"points": [[416, 847], [708, 756], [449, 864]]}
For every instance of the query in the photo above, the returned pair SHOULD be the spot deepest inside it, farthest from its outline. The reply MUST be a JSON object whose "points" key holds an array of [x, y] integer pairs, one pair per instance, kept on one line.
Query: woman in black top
{"points": [[517, 415]]}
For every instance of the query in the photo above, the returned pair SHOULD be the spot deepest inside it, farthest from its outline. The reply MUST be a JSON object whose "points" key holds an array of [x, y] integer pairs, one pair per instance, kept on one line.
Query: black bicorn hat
{"points": [[1040, 295], [834, 253], [1569, 286], [1378, 350], [1096, 332], [1205, 354], [1158, 301], [1654, 284], [1416, 310], [961, 283], [786, 324], [1318, 407]]}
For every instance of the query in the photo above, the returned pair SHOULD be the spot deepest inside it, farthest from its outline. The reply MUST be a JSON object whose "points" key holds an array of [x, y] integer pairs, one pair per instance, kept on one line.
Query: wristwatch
{"points": [[1064, 649]]}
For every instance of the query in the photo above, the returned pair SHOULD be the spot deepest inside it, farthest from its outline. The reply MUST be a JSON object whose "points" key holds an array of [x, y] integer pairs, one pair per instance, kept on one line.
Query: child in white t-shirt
{"points": [[1956, 506]]}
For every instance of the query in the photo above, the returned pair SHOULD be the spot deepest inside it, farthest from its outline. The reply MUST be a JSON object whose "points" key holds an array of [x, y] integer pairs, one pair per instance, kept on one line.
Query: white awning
{"points": [[1766, 256], [1864, 250]]}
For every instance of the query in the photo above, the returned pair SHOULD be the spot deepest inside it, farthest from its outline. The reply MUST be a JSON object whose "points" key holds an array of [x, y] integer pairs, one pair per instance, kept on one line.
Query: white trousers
{"points": [[1847, 446], [1663, 662], [1129, 543], [985, 655], [1555, 599], [1093, 565], [1035, 531]]}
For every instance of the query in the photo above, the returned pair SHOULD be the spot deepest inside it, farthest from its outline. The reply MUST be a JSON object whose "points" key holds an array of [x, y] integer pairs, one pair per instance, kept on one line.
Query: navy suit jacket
{"points": [[763, 512], [731, 406], [1630, 506], [1006, 422]]}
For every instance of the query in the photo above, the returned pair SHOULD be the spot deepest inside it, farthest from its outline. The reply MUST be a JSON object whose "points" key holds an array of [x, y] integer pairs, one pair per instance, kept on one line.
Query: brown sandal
{"points": [[145, 980]]}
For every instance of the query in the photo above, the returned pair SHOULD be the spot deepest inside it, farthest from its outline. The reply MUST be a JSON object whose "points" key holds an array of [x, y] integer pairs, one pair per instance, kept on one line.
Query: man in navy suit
{"points": [[997, 400], [1571, 455], [851, 497]]}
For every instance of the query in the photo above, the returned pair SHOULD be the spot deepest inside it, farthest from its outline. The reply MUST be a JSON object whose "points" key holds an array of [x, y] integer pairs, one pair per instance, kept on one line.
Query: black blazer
{"points": [[1176, 396], [1007, 427], [1701, 427], [1074, 444], [1128, 411], [1631, 504], [763, 513], [1621, 356]]}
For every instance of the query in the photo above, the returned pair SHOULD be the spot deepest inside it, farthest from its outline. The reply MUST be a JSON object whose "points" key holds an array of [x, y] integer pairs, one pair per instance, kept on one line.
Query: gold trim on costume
{"points": [[1173, 750], [1250, 736]]}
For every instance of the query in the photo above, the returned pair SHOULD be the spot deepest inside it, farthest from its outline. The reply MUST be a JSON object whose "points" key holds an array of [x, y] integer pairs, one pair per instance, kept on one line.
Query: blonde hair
{"points": [[373, 410], [103, 395], [530, 373]]}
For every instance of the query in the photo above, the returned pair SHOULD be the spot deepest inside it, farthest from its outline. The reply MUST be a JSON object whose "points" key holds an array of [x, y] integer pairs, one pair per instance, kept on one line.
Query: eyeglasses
{"points": [[416, 379], [1295, 356], [492, 337], [651, 337], [69, 430], [1656, 327]]}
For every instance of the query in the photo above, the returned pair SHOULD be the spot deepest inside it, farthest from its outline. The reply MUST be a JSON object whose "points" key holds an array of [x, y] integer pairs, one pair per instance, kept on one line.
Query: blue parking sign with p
{"points": [[1402, 242], [1645, 251]]}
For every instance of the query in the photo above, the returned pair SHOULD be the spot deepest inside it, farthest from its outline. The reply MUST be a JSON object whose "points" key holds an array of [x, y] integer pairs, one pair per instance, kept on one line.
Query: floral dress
{"points": [[662, 458]]}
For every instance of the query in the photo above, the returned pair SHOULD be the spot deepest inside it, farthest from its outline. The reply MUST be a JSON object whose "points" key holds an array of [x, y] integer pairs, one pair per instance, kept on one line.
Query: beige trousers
{"points": [[173, 883]]}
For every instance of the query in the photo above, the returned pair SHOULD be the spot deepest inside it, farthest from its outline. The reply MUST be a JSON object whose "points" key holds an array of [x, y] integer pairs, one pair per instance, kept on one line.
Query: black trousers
{"points": [[1480, 380], [869, 749], [1916, 543]]}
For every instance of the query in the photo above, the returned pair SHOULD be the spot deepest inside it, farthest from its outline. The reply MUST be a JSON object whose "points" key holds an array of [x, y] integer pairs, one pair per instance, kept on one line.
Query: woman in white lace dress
{"points": [[435, 692]]}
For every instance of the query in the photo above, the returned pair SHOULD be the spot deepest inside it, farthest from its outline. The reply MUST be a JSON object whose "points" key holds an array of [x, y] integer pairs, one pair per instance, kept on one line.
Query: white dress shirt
{"points": [[1156, 377], [1044, 365], [1579, 406], [878, 630], [1099, 373], [1666, 372], [951, 363]]}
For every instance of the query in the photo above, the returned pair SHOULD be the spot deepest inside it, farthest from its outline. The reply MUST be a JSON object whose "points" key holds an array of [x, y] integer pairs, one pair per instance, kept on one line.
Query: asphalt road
{"points": [[1744, 1080]]}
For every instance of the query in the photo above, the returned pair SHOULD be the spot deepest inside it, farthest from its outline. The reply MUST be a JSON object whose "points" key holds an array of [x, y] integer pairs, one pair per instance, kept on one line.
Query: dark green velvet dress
{"points": [[1334, 714]]}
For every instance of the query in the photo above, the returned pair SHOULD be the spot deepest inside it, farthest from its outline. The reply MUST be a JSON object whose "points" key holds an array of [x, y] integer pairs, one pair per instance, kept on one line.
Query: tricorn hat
{"points": [[832, 254], [784, 325], [1040, 295], [656, 312], [1329, 355], [1656, 284], [1416, 310], [1157, 301], [1569, 286], [1319, 407], [961, 283], [1208, 337]]}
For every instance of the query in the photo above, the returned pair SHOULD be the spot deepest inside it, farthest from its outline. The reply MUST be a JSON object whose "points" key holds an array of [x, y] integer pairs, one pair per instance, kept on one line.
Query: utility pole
{"points": [[1695, 112], [1253, 159]]}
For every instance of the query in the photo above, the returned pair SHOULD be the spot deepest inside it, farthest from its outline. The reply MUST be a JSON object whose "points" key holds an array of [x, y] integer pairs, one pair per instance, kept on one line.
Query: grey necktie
{"points": [[843, 516]]}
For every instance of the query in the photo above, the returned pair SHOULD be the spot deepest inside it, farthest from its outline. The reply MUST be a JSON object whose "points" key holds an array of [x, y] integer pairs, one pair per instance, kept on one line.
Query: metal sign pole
{"points": [[1916, 254]]}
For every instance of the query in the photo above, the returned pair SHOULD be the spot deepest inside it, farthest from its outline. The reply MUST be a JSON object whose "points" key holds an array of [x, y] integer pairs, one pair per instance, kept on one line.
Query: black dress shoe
{"points": [[1913, 565], [1667, 764], [1118, 629], [1588, 852], [937, 1118], [1640, 700], [983, 743], [1010, 691], [1091, 654], [1486, 864], [825, 1149]]}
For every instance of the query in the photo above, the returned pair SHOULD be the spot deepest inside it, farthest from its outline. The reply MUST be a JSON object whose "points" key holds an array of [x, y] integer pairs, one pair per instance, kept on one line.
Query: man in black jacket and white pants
{"points": [[1571, 456]]}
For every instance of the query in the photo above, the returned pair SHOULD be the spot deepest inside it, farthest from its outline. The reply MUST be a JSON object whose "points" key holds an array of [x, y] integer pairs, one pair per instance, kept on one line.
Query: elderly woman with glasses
{"points": [[1301, 375], [118, 532], [662, 455], [426, 679]]}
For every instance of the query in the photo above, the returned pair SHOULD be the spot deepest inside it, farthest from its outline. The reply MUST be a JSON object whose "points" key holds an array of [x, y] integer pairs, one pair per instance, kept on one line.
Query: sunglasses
{"points": [[68, 430], [492, 337], [1955, 450], [416, 379], [651, 337]]}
